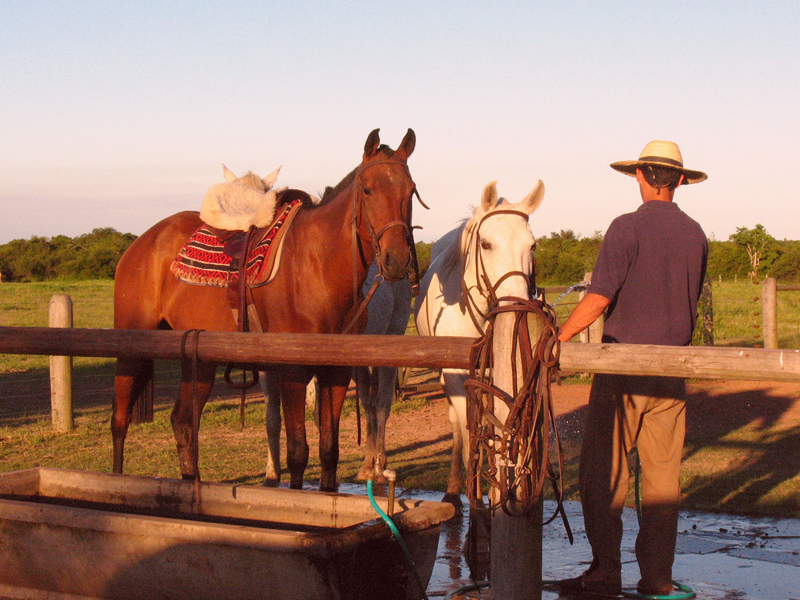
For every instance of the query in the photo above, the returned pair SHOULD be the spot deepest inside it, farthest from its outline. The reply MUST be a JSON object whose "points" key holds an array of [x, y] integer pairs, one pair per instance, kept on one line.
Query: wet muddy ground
{"points": [[720, 557]]}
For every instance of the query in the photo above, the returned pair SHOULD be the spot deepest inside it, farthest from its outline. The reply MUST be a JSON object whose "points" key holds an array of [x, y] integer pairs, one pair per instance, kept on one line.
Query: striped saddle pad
{"points": [[206, 259]]}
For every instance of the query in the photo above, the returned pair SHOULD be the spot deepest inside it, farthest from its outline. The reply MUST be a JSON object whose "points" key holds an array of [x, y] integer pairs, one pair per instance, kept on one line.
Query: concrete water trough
{"points": [[66, 533]]}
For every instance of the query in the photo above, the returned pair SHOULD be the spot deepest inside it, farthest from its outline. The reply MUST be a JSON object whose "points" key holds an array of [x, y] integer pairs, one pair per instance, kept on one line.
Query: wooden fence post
{"points": [[594, 333], [61, 368], [516, 546], [769, 312]]}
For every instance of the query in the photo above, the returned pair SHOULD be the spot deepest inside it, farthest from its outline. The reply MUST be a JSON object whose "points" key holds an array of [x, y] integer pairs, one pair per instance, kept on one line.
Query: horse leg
{"points": [[293, 401], [333, 384], [130, 381], [366, 388], [271, 387], [453, 382], [183, 414], [387, 384]]}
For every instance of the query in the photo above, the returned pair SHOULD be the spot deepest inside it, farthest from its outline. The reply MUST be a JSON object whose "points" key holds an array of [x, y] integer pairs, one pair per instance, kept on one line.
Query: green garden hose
{"points": [[398, 537]]}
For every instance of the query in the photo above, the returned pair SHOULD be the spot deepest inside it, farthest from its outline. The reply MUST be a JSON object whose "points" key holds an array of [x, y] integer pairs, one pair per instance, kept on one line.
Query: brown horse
{"points": [[326, 255]]}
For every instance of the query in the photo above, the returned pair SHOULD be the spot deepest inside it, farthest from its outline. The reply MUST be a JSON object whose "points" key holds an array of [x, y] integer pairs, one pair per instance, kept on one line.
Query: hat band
{"points": [[661, 159]]}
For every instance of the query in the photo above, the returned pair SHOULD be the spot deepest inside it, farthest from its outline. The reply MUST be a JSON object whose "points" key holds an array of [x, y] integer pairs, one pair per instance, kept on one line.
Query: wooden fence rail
{"points": [[755, 364]]}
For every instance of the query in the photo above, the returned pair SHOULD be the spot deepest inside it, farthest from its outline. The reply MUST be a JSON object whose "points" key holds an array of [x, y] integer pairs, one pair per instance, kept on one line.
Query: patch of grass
{"points": [[28, 305], [737, 315]]}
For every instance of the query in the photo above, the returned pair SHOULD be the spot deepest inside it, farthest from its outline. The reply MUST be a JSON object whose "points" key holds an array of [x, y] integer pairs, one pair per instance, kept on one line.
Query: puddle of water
{"points": [[721, 557]]}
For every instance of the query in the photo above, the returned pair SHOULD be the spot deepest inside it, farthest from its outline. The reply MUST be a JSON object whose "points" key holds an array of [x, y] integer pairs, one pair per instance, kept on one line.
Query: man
{"points": [[648, 276]]}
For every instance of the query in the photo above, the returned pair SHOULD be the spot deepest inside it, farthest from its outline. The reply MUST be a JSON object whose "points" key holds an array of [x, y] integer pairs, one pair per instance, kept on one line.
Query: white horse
{"points": [[387, 313], [489, 256]]}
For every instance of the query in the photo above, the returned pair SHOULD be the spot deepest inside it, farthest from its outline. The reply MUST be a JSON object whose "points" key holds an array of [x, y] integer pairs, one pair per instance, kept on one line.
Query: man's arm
{"points": [[586, 313]]}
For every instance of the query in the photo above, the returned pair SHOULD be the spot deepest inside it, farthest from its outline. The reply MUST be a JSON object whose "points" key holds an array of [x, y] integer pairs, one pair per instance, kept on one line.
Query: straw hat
{"points": [[661, 154]]}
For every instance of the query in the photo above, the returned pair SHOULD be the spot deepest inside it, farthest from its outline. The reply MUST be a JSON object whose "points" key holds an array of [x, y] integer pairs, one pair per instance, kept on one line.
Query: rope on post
{"points": [[511, 459]]}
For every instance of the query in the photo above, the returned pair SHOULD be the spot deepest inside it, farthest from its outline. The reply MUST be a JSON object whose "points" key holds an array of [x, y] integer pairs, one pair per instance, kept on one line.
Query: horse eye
{"points": [[367, 191], [486, 245]]}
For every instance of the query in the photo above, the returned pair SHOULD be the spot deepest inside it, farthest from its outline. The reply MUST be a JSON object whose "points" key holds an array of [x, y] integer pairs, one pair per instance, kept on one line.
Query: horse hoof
{"points": [[455, 500], [366, 472], [270, 482]]}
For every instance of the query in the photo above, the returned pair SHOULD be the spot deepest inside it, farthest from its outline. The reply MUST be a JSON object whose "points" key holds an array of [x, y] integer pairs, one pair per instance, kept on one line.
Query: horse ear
{"points": [[270, 179], [372, 143], [532, 201], [489, 198], [407, 145], [229, 176]]}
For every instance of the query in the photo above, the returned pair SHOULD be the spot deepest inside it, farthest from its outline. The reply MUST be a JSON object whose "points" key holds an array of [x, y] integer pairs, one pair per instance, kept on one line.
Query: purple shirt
{"points": [[651, 267]]}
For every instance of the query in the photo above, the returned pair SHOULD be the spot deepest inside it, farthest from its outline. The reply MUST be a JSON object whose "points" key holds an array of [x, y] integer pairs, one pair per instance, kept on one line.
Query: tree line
{"points": [[89, 256], [562, 258]]}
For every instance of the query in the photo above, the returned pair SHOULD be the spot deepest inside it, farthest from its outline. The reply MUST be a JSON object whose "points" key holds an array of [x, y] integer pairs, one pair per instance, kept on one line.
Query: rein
{"points": [[484, 285], [512, 457]]}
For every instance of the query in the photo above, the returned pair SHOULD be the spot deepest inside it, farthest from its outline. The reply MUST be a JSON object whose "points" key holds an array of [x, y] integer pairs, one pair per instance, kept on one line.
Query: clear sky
{"points": [[119, 114]]}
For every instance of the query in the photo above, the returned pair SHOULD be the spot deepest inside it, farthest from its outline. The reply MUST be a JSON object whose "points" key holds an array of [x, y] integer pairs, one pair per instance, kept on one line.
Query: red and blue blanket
{"points": [[206, 258]]}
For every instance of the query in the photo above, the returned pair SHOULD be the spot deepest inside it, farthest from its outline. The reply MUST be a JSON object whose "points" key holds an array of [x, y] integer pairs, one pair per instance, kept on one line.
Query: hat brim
{"points": [[628, 167]]}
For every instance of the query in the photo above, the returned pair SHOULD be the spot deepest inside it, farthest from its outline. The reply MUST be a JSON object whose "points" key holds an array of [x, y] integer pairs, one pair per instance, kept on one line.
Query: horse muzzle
{"points": [[395, 263]]}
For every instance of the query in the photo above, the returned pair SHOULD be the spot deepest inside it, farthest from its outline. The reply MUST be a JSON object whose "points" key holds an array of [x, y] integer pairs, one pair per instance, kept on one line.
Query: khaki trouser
{"points": [[626, 412]]}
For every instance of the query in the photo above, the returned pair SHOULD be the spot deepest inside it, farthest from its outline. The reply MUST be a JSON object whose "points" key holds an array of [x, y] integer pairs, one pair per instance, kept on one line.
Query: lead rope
{"points": [[513, 457]]}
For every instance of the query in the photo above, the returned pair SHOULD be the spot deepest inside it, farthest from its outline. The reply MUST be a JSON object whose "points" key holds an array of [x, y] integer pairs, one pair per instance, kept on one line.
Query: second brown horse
{"points": [[313, 292]]}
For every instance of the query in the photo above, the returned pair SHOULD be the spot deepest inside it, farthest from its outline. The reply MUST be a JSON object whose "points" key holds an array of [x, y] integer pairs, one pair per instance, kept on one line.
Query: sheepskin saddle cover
{"points": [[237, 206], [211, 257]]}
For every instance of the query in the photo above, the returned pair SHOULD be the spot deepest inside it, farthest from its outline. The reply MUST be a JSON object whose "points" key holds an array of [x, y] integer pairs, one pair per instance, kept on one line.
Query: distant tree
{"points": [[726, 260], [90, 256], [564, 257], [27, 260], [423, 257], [94, 255], [786, 267], [759, 246]]}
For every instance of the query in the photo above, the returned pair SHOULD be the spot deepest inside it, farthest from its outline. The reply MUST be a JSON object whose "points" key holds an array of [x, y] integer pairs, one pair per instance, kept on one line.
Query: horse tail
{"points": [[143, 404]]}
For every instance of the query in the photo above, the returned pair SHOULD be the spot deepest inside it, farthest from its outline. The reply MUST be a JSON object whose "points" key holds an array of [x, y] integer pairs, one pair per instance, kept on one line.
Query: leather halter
{"points": [[361, 215], [483, 284]]}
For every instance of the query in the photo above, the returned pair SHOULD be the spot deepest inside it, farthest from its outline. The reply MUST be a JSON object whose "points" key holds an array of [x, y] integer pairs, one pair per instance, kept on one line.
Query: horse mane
{"points": [[332, 192], [453, 253]]}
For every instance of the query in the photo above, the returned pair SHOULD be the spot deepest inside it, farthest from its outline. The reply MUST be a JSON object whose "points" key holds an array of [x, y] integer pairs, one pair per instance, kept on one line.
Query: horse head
{"points": [[497, 246], [384, 191]]}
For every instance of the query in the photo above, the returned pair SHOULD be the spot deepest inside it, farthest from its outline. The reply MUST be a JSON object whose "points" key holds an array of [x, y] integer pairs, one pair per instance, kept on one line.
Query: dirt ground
{"points": [[712, 407], [742, 450]]}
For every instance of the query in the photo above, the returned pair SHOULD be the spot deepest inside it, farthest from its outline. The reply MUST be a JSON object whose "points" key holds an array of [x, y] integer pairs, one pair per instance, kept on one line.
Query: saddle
{"points": [[239, 260]]}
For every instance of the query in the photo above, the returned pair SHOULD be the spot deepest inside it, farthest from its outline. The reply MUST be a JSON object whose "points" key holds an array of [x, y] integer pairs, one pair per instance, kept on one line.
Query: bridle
{"points": [[483, 284], [361, 216]]}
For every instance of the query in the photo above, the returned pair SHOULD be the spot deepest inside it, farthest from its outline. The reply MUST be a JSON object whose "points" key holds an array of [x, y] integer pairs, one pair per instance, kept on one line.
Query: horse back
{"points": [[148, 296], [439, 309]]}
